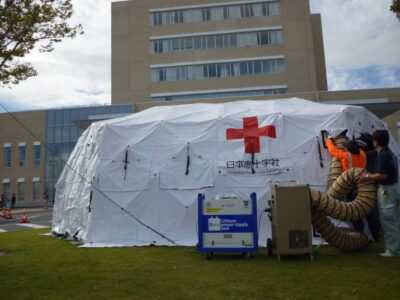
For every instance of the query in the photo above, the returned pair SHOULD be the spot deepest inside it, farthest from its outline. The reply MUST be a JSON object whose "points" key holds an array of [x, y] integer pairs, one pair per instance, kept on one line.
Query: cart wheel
{"points": [[209, 255], [246, 255], [269, 246]]}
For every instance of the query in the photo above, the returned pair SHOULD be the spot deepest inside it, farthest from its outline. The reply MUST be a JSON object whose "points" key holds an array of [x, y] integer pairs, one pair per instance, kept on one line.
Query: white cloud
{"points": [[78, 71], [359, 34]]}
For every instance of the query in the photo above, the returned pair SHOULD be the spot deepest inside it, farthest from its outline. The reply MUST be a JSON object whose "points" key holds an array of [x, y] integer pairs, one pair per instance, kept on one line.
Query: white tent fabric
{"points": [[135, 170]]}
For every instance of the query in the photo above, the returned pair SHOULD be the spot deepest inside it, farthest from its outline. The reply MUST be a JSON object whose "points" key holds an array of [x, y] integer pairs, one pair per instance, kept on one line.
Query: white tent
{"points": [[135, 180]]}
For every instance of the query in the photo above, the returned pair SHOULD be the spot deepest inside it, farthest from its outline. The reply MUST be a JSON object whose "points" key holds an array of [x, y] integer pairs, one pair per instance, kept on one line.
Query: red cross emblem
{"points": [[251, 134]]}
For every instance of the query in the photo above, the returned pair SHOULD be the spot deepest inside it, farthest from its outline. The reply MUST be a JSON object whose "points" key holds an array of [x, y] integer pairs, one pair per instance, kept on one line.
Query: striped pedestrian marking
{"points": [[35, 226]]}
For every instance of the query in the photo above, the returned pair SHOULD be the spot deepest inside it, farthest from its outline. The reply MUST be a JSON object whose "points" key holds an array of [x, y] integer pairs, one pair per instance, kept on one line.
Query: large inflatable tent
{"points": [[134, 181]]}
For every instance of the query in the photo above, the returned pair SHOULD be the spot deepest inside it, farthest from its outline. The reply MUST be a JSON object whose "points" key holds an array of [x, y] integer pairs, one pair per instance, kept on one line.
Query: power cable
{"points": [[87, 181]]}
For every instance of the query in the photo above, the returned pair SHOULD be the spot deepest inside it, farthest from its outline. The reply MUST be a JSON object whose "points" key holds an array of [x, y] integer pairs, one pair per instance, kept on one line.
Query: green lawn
{"points": [[40, 267]]}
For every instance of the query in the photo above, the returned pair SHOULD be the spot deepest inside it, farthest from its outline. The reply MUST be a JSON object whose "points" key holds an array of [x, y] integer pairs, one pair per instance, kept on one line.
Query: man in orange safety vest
{"points": [[350, 157]]}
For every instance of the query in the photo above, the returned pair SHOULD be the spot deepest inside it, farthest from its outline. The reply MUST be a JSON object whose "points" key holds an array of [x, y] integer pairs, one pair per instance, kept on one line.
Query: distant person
{"points": [[386, 177], [13, 199], [3, 199]]}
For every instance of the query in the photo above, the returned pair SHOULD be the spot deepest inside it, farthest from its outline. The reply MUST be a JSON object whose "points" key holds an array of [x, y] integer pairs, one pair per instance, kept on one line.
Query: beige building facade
{"points": [[23, 156], [202, 49]]}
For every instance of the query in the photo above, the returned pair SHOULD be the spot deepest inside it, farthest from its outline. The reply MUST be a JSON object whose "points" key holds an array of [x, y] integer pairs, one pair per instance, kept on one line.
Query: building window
{"points": [[35, 188], [22, 155], [36, 154], [223, 94], [21, 190], [216, 13], [7, 156], [217, 40], [6, 190], [210, 70]]}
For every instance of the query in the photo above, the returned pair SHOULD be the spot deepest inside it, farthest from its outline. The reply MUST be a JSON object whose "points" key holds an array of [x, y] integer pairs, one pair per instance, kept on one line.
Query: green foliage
{"points": [[395, 7], [40, 267], [29, 24]]}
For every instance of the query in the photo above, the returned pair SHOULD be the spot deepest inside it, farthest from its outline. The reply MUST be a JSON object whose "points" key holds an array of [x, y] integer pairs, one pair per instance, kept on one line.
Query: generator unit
{"points": [[290, 214], [227, 224]]}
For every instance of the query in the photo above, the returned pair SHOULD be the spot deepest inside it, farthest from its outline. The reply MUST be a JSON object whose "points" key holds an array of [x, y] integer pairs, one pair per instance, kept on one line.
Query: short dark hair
{"points": [[381, 137], [353, 147]]}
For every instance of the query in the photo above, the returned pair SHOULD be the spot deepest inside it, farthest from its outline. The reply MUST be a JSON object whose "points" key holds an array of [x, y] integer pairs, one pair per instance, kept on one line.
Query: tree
{"points": [[395, 7], [29, 24]]}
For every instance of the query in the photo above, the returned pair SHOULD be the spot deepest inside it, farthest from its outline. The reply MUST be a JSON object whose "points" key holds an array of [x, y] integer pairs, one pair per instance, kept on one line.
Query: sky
{"points": [[361, 39]]}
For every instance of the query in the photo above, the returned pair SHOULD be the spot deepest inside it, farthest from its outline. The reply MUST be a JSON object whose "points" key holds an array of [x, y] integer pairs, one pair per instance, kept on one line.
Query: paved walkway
{"points": [[18, 211]]}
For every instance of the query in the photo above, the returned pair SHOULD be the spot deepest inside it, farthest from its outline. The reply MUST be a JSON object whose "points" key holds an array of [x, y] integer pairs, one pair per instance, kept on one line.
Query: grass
{"points": [[40, 267]]}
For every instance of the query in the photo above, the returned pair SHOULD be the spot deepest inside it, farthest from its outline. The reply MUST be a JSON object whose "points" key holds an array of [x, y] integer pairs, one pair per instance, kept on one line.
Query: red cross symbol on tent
{"points": [[251, 134]]}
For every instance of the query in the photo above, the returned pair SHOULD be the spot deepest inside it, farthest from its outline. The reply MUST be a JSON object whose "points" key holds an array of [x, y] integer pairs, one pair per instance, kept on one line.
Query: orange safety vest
{"points": [[347, 159]]}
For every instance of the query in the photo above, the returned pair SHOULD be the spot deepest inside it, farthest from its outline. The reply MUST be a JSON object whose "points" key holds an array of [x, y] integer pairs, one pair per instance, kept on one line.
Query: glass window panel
{"points": [[212, 70], [177, 73], [197, 42], [226, 12], [21, 191], [205, 71], [154, 75], [280, 68], [36, 153], [170, 74], [204, 42], [22, 156], [232, 40], [36, 187], [58, 117], [188, 43], [6, 190], [266, 66], [175, 44], [250, 67], [265, 9], [275, 37], [247, 39], [50, 118], [7, 157], [274, 8], [161, 74], [243, 68], [65, 133], [66, 116], [166, 46], [217, 13], [211, 41], [206, 14], [50, 134], [57, 133], [219, 41], [257, 67], [236, 69], [257, 10], [234, 12], [264, 38], [165, 18], [226, 40]]}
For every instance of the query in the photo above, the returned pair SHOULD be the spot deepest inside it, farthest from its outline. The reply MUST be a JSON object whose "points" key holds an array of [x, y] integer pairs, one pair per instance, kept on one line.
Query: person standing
{"points": [[386, 177], [350, 157], [13, 199]]}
